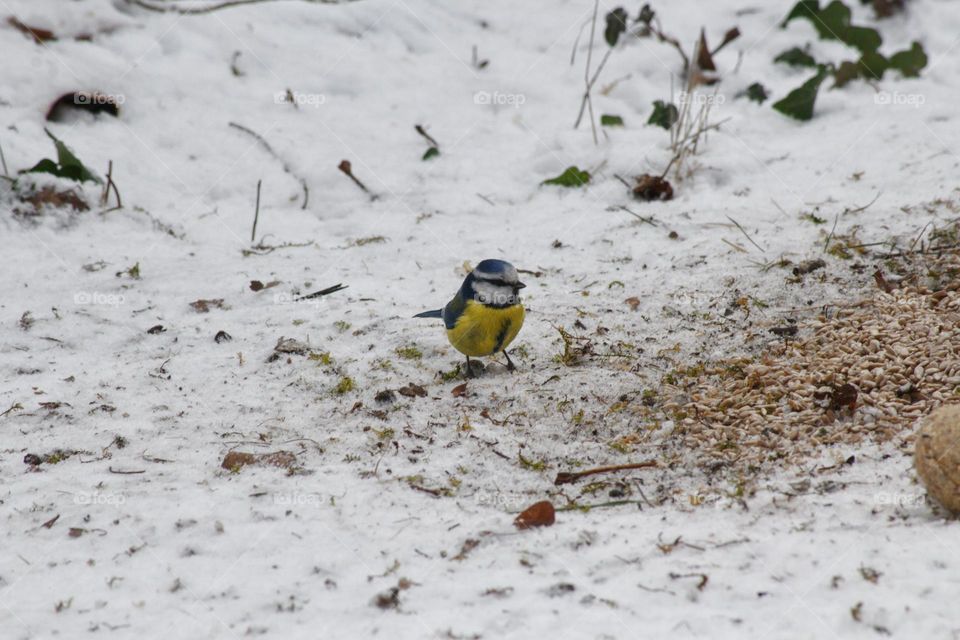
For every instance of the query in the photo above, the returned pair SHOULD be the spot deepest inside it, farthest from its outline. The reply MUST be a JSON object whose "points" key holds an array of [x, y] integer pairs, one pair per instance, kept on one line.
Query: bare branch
{"points": [[193, 11]]}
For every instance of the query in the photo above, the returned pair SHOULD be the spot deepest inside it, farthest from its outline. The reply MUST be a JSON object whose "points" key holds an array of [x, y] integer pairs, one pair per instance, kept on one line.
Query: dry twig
{"points": [[286, 167], [568, 477]]}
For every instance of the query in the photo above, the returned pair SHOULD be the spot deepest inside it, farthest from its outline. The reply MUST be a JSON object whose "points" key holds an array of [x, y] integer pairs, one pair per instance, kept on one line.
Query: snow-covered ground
{"points": [[395, 518]]}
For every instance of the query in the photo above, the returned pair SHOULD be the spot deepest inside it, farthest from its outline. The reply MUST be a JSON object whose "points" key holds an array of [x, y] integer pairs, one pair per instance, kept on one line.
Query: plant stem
{"points": [[256, 215]]}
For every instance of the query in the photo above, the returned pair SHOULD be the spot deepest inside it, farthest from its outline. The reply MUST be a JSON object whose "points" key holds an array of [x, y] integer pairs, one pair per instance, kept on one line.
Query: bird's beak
{"points": [[519, 285]]}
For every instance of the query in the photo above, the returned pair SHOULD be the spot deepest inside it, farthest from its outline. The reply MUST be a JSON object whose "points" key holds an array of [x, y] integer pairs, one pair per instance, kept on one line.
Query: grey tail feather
{"points": [[436, 313]]}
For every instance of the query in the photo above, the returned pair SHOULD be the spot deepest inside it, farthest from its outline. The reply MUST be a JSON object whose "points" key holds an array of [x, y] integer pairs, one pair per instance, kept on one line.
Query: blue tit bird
{"points": [[486, 314]]}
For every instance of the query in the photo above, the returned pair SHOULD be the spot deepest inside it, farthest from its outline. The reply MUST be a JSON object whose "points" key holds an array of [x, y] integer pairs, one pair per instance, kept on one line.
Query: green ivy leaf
{"points": [[432, 152], [664, 114], [67, 164], [757, 92], [910, 61], [45, 166], [873, 65], [833, 23], [799, 102], [804, 9], [796, 57], [616, 24], [864, 39], [609, 120], [844, 74], [571, 178], [646, 14]]}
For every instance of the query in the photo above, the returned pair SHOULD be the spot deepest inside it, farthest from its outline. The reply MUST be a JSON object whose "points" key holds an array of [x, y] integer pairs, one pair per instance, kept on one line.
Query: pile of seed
{"points": [[870, 370]]}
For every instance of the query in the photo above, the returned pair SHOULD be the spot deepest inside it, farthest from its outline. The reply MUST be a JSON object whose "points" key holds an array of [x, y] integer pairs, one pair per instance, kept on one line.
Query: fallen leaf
{"points": [[389, 599], [236, 460], [284, 459], [384, 396], [412, 391], [634, 302], [468, 545], [290, 345], [51, 196], [459, 390], [204, 305], [808, 266], [572, 177], [540, 514], [39, 35], [649, 188]]}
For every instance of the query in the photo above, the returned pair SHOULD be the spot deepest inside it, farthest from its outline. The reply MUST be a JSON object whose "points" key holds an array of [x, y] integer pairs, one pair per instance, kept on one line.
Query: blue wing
{"points": [[450, 313], [453, 311]]}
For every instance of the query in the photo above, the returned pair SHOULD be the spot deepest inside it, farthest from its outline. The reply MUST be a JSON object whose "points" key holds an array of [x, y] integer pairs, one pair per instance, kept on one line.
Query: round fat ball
{"points": [[937, 456]]}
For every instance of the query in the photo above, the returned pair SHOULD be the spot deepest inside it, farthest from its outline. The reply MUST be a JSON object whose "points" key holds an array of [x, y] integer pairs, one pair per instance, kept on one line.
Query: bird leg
{"points": [[469, 373], [510, 365]]}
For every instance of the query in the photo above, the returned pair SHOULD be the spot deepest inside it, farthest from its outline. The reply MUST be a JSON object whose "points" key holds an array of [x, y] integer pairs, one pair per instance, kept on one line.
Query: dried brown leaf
{"points": [[540, 514]]}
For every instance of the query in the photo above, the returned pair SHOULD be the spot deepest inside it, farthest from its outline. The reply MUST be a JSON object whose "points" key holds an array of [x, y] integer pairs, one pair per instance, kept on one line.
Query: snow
{"points": [[169, 544]]}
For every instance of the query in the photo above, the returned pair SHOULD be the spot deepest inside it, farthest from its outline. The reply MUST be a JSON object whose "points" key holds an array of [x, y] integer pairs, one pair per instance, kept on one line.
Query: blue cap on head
{"points": [[495, 267]]}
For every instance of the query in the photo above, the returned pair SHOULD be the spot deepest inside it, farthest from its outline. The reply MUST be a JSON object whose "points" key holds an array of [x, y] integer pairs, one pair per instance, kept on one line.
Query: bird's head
{"points": [[494, 283]]}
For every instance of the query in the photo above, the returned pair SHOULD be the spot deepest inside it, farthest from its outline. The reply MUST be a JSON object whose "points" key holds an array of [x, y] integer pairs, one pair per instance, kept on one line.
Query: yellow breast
{"points": [[483, 330]]}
